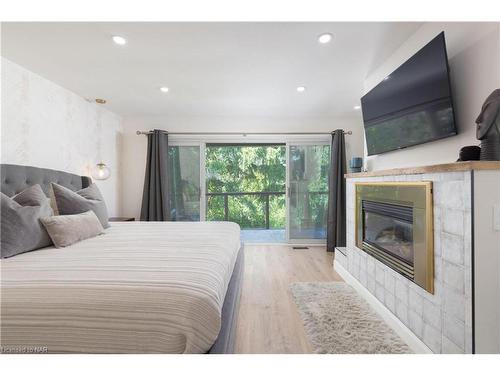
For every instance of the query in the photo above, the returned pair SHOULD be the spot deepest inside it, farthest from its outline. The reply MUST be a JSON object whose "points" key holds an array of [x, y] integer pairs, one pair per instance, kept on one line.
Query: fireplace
{"points": [[394, 225]]}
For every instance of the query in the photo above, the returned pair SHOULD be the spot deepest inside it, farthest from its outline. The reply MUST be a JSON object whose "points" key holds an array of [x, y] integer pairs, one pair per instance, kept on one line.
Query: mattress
{"points": [[142, 287]]}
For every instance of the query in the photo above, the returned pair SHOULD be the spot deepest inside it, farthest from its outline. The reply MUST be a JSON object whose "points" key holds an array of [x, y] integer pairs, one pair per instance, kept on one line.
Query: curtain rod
{"points": [[243, 133]]}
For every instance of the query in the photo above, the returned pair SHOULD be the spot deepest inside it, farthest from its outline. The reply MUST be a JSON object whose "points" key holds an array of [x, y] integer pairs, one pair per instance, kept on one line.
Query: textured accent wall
{"points": [[45, 125], [443, 320]]}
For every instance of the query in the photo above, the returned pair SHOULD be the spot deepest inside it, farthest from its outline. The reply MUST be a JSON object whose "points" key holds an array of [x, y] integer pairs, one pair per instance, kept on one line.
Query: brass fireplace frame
{"points": [[417, 195]]}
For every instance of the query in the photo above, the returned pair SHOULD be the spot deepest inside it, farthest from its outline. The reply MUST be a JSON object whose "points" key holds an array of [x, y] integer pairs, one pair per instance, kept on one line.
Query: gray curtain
{"points": [[336, 226], [155, 203]]}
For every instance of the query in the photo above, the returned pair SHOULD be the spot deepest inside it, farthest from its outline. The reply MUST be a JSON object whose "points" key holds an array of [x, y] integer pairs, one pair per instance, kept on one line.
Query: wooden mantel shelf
{"points": [[438, 168]]}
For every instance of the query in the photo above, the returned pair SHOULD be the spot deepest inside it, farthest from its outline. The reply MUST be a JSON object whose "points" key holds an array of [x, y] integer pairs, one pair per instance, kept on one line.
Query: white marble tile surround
{"points": [[443, 320]]}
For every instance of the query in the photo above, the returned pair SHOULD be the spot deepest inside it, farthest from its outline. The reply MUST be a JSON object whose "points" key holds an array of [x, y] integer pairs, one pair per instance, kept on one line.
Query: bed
{"points": [[142, 287]]}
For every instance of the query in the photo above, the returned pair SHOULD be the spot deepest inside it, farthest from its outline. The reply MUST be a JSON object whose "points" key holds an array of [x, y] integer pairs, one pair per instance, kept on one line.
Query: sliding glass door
{"points": [[308, 166], [275, 188], [184, 183]]}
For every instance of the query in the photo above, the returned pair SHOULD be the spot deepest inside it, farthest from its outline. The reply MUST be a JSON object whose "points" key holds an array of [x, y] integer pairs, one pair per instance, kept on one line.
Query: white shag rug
{"points": [[338, 320]]}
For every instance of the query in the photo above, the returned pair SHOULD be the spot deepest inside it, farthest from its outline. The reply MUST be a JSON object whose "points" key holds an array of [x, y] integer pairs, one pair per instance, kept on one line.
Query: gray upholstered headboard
{"points": [[16, 178]]}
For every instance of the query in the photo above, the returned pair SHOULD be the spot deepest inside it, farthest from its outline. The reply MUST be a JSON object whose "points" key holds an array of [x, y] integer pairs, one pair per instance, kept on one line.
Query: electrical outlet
{"points": [[496, 217]]}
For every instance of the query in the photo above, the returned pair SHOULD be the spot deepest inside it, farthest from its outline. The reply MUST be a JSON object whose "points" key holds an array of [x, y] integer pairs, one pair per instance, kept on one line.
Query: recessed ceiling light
{"points": [[301, 89], [356, 107], [164, 89], [325, 38], [119, 40], [100, 101]]}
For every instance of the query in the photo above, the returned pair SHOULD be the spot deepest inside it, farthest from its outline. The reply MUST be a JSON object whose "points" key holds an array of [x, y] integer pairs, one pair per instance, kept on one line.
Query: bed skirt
{"points": [[225, 341]]}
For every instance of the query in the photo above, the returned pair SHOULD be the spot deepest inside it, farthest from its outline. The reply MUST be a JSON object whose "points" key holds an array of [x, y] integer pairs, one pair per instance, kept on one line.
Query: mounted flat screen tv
{"points": [[412, 105]]}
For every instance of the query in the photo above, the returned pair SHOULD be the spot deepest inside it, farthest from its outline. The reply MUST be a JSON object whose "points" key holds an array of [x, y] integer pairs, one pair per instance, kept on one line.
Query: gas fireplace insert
{"points": [[394, 225]]}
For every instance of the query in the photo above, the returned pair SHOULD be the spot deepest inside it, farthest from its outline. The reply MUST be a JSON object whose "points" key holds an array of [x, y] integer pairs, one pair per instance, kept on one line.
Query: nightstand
{"points": [[121, 219]]}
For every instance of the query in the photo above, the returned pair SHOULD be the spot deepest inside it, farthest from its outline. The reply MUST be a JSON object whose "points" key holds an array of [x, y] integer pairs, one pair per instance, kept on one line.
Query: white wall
{"points": [[45, 125], [474, 58], [134, 146], [487, 261]]}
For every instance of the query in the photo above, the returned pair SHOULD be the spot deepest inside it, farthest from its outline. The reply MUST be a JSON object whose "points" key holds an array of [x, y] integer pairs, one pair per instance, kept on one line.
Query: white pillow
{"points": [[65, 230]]}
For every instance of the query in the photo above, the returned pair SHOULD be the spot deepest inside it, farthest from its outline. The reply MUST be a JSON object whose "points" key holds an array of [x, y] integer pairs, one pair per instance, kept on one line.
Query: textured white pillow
{"points": [[65, 230]]}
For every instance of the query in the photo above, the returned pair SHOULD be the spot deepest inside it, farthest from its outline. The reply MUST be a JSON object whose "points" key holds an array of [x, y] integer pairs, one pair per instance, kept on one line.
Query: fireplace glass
{"points": [[390, 234]]}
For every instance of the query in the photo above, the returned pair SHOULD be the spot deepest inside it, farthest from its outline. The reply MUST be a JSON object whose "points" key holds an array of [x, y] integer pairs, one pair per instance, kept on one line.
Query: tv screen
{"points": [[413, 104]]}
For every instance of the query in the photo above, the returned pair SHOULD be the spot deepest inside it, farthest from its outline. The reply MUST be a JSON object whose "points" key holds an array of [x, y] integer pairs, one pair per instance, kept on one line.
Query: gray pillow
{"points": [[21, 229], [66, 230], [70, 202]]}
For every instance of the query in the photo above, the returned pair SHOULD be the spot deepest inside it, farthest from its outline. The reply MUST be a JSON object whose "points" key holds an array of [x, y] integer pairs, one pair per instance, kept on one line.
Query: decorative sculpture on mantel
{"points": [[488, 127]]}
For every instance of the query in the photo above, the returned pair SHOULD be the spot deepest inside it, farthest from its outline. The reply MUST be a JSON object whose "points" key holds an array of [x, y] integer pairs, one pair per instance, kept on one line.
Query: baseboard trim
{"points": [[403, 331]]}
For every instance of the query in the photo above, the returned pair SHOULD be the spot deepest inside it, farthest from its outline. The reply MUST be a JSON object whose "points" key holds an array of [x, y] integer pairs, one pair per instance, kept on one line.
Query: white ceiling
{"points": [[212, 69]]}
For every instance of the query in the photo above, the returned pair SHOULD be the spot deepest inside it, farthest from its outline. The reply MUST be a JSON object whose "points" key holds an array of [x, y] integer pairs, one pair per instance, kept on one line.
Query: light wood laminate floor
{"points": [[268, 320]]}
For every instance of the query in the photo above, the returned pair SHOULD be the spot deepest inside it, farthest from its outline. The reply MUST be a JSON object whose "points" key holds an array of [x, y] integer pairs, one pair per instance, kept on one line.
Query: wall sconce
{"points": [[101, 171]]}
